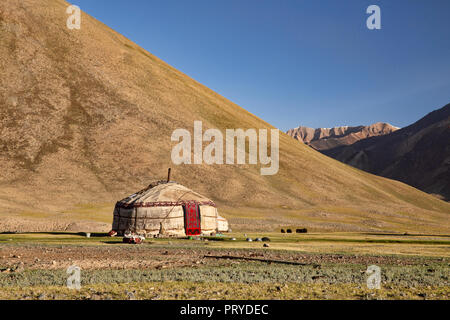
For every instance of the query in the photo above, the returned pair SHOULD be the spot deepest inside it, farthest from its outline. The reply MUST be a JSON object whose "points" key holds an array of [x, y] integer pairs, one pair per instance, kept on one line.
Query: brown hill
{"points": [[86, 118], [327, 138], [418, 155]]}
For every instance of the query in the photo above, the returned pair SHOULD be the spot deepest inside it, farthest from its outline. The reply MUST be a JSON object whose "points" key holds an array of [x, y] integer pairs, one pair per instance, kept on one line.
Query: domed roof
{"points": [[162, 194]]}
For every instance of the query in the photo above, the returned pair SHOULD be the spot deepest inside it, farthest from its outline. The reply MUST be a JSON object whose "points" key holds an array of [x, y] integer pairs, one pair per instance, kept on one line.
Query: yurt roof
{"points": [[162, 194]]}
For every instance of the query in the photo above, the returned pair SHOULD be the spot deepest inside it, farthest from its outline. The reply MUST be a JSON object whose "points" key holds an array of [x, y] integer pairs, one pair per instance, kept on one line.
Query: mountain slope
{"points": [[328, 138], [86, 118], [418, 155]]}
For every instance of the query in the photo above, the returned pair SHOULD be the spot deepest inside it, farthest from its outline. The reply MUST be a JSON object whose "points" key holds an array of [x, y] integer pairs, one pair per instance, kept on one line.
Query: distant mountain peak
{"points": [[326, 138], [418, 154]]}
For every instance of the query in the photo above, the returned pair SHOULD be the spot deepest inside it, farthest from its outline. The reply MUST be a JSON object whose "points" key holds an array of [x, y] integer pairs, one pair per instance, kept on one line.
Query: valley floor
{"points": [[294, 266]]}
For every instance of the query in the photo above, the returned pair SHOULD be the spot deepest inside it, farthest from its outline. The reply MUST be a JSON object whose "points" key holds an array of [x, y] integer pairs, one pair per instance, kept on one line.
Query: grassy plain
{"points": [[294, 266]]}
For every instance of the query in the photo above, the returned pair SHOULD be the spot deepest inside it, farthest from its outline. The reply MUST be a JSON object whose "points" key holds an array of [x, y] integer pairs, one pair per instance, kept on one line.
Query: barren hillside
{"points": [[86, 118]]}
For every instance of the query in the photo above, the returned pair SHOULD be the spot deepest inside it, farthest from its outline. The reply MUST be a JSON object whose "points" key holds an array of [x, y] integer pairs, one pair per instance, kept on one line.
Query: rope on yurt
{"points": [[189, 191]]}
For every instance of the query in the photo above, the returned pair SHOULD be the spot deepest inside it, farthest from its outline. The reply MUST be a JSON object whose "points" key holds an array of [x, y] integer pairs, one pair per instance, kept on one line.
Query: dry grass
{"points": [[321, 243], [205, 291], [33, 266], [86, 118]]}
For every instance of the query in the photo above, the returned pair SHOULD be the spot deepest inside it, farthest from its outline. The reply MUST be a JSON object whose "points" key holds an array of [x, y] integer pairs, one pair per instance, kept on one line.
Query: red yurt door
{"points": [[192, 219]]}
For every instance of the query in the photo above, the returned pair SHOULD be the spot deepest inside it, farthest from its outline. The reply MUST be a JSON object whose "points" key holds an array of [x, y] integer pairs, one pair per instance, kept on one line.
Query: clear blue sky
{"points": [[300, 62]]}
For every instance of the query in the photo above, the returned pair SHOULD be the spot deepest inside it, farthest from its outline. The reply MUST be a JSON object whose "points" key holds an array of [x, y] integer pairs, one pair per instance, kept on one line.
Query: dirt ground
{"points": [[144, 257], [313, 266], [22, 224]]}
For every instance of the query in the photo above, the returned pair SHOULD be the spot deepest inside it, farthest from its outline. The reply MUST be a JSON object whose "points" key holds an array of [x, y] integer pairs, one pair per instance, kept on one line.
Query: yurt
{"points": [[166, 208]]}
